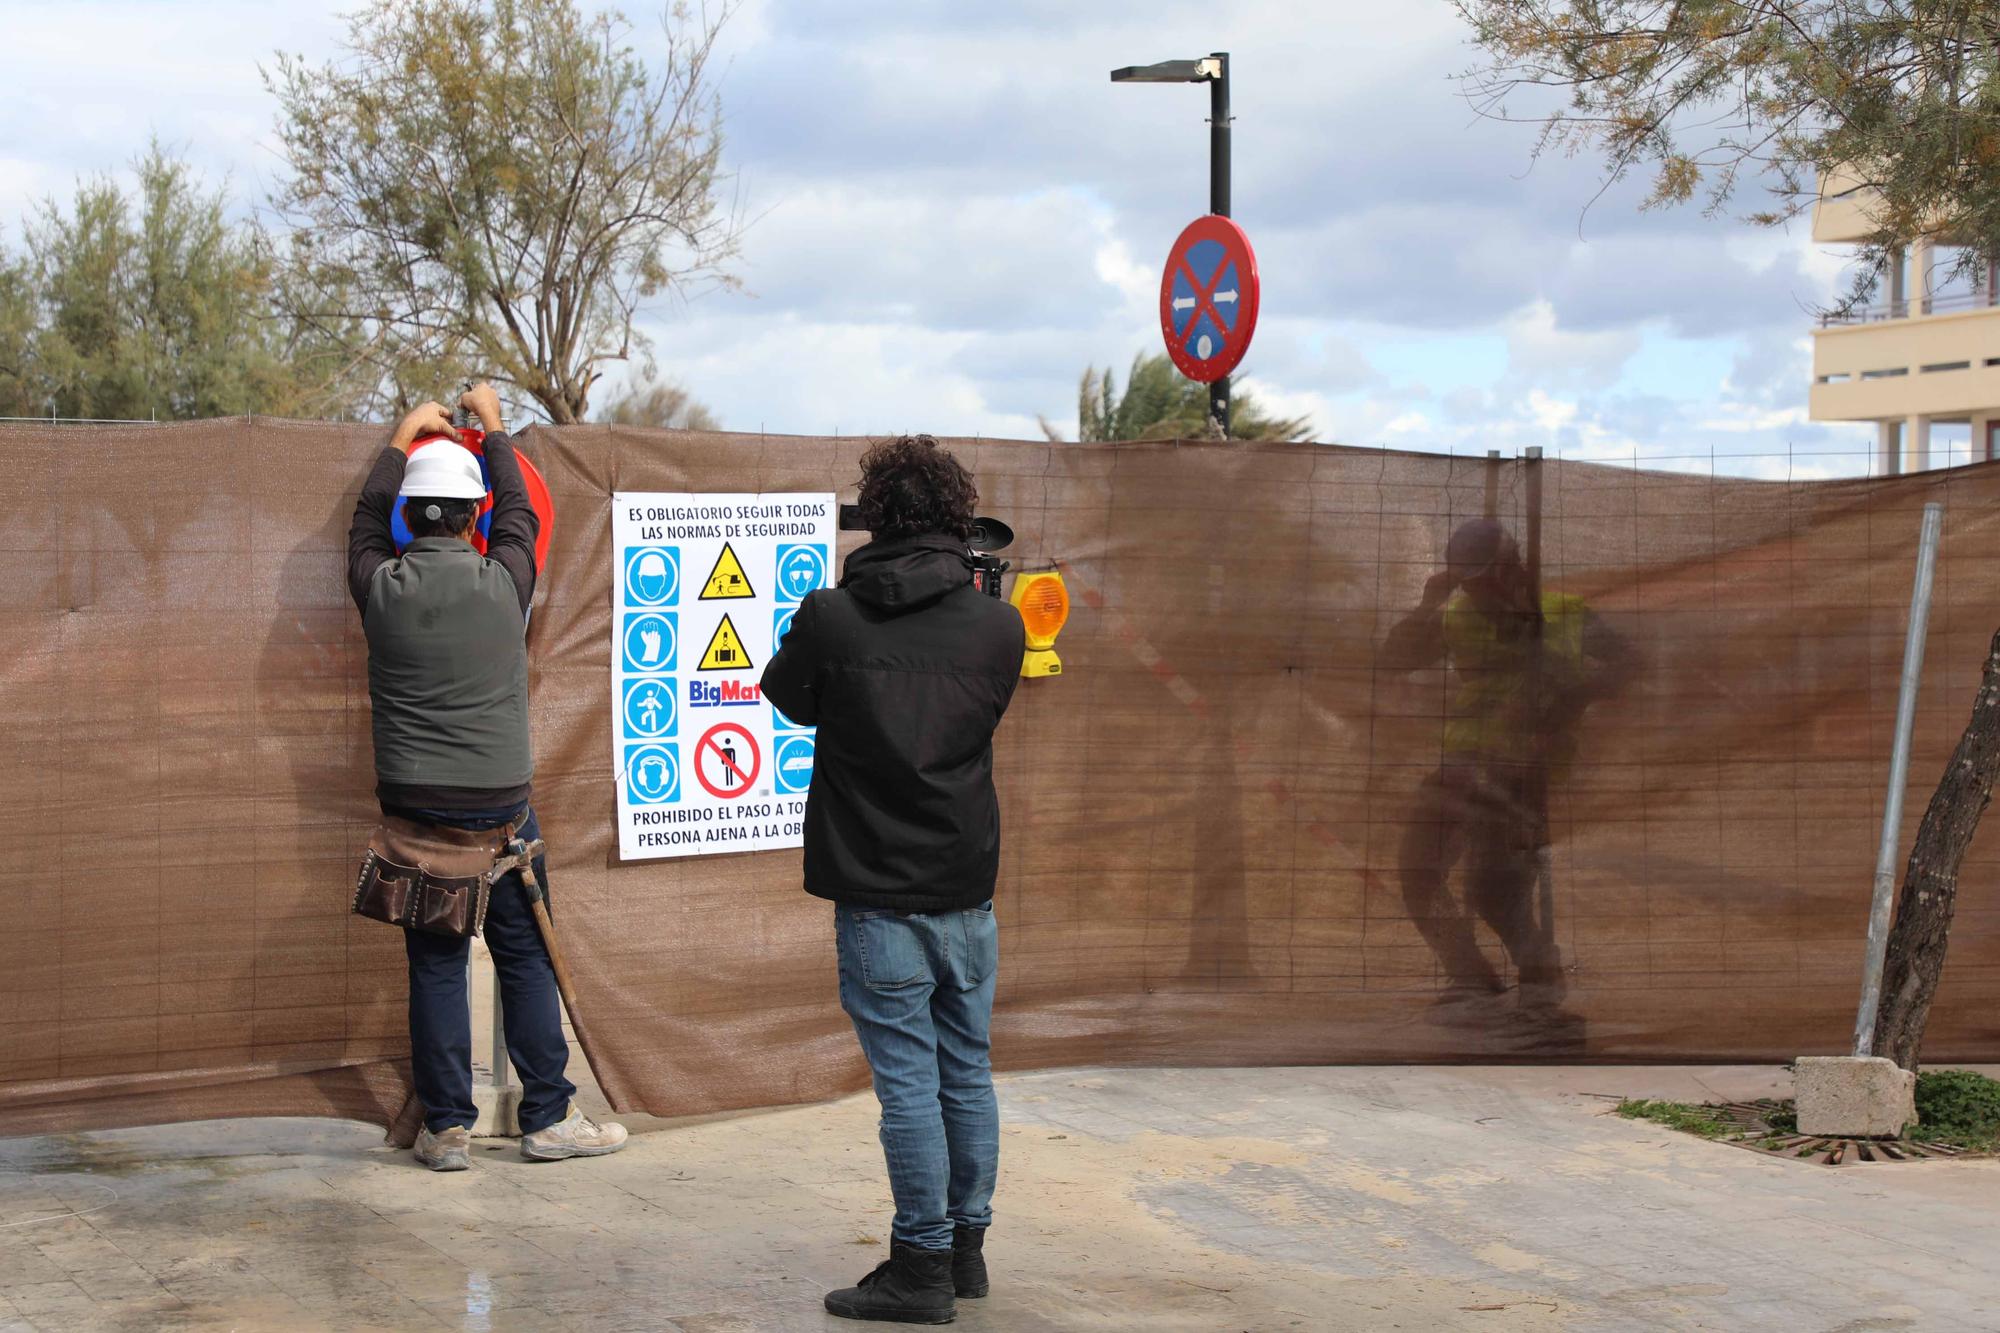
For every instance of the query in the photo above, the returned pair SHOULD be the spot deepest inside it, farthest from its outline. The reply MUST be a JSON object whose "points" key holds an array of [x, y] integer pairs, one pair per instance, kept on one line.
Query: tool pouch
{"points": [[428, 877]]}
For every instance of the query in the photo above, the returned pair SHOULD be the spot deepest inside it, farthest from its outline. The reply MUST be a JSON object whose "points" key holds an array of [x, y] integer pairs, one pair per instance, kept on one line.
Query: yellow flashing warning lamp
{"points": [[1043, 602]]}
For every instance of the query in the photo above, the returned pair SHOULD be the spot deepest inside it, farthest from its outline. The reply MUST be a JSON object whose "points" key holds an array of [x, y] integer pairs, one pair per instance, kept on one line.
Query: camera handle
{"points": [[461, 415], [987, 571]]}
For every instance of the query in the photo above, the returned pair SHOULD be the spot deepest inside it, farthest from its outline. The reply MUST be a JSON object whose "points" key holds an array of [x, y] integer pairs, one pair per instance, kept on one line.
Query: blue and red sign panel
{"points": [[1208, 298], [538, 498]]}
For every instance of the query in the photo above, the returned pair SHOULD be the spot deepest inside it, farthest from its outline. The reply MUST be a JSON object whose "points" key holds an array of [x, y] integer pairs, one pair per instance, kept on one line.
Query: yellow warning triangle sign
{"points": [[725, 650], [727, 579]]}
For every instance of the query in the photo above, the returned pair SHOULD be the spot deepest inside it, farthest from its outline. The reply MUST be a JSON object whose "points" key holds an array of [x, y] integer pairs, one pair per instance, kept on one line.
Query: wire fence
{"points": [[1800, 464], [1357, 755]]}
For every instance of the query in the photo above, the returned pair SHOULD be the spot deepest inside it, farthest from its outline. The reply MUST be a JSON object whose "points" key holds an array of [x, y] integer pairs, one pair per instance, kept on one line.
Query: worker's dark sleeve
{"points": [[791, 677], [511, 537], [1414, 642], [368, 541]]}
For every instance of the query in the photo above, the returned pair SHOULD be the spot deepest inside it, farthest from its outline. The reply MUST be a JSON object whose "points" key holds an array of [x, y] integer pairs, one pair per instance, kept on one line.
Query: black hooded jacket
{"points": [[905, 668]]}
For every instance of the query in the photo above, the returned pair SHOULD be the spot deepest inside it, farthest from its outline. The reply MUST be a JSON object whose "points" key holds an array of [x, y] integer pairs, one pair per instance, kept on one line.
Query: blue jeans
{"points": [[920, 991], [530, 1005]]}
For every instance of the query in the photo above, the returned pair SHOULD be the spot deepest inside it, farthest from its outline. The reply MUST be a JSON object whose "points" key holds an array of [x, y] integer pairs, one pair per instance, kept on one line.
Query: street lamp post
{"points": [[1213, 71]]}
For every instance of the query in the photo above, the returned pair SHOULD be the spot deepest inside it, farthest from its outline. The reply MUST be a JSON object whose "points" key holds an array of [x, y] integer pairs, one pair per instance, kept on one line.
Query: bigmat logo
{"points": [[723, 694]]}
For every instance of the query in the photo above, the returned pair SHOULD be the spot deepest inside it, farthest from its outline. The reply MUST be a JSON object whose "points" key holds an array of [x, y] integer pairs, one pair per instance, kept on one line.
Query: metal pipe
{"points": [[1218, 136], [1899, 771], [1533, 488], [1537, 788], [501, 1066], [1218, 198]]}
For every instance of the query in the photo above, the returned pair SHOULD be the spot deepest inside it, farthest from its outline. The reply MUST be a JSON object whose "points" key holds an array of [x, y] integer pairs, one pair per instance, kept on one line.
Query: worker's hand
{"points": [[482, 402], [422, 420]]}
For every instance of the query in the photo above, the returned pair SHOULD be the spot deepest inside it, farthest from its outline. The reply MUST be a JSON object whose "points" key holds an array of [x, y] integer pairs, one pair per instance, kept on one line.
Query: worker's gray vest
{"points": [[448, 669]]}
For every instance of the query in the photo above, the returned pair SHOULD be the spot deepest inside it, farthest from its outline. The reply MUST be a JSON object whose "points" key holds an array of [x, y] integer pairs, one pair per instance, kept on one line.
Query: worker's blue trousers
{"points": [[530, 1006]]}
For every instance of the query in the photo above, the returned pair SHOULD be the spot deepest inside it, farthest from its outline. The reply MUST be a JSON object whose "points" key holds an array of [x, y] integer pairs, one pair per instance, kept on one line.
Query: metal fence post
{"points": [[1899, 771], [501, 1065], [495, 1095]]}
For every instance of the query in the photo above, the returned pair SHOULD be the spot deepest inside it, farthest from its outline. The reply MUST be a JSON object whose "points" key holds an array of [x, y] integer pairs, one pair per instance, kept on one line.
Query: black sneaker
{"points": [[911, 1286]]}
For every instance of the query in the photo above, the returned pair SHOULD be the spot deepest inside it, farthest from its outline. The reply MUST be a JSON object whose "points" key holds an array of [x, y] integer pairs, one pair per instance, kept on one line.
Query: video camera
{"points": [[988, 535]]}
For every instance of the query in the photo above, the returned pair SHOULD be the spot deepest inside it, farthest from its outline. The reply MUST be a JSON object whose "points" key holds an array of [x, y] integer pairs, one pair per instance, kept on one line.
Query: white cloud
{"points": [[1278, 402], [1741, 417], [850, 379], [89, 81], [1537, 349], [1116, 266], [1550, 413]]}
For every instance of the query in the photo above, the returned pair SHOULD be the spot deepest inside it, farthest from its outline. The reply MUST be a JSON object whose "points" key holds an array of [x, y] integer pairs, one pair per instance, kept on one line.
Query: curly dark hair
{"points": [[455, 516], [911, 486]]}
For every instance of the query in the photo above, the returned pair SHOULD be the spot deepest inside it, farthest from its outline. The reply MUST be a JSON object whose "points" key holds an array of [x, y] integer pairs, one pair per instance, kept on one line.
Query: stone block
{"points": [[499, 1110], [1854, 1096]]}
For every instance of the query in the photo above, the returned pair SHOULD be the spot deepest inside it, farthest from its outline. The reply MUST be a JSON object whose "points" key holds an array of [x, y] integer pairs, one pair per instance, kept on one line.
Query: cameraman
{"points": [[906, 669]]}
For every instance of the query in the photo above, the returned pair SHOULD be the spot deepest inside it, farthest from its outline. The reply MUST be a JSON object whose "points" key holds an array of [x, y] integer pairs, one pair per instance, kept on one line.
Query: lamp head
{"points": [[1171, 71]]}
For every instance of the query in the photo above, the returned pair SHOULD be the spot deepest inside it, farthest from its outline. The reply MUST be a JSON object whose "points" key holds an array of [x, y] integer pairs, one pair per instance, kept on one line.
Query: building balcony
{"points": [[1944, 304], [1848, 212], [1886, 364]]}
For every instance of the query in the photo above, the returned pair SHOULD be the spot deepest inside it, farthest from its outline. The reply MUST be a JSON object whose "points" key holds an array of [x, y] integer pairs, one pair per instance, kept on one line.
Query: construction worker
{"points": [[906, 668], [448, 682], [1525, 663]]}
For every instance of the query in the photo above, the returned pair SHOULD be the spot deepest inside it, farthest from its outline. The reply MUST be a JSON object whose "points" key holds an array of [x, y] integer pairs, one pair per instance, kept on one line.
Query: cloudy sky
{"points": [[953, 212]]}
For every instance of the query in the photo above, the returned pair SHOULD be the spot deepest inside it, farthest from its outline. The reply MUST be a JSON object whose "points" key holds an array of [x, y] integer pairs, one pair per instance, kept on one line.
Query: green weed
{"points": [[1684, 1116], [1958, 1107]]}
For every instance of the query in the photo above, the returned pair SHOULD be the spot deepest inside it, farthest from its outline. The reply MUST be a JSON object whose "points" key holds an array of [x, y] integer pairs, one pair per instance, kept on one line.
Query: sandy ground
{"points": [[1346, 1198]]}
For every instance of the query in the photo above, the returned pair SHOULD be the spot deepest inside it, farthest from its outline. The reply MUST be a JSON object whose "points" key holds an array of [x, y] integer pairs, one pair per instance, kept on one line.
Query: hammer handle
{"points": [[538, 901]]}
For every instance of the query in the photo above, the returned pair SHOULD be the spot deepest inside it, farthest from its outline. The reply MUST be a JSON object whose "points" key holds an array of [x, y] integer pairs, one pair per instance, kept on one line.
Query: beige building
{"points": [[1926, 353]]}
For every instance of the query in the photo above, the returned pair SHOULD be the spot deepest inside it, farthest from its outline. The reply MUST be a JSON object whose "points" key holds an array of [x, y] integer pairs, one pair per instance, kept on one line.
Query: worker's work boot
{"points": [[575, 1135], [450, 1150], [968, 1261], [911, 1286]]}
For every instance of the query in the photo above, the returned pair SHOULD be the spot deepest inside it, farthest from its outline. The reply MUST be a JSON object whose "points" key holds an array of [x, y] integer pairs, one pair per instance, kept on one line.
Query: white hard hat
{"points": [[442, 470]]}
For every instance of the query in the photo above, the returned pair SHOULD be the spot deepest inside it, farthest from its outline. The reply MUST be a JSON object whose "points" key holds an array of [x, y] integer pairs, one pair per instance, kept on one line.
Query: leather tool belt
{"points": [[432, 878]]}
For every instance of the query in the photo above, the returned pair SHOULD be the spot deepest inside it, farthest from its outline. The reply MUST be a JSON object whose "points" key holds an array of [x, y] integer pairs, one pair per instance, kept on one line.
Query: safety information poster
{"points": [[704, 588]]}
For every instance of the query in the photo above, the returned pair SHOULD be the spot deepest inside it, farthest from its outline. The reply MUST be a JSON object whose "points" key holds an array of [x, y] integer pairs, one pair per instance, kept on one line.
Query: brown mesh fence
{"points": [[1608, 793]]}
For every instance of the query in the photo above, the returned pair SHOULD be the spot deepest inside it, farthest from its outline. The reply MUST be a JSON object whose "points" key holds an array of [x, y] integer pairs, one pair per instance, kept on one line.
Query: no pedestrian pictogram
{"points": [[726, 760], [727, 579]]}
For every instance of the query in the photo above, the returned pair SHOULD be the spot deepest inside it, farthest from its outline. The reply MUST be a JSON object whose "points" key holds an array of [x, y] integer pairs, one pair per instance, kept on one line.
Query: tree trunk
{"points": [[1930, 884], [562, 412]]}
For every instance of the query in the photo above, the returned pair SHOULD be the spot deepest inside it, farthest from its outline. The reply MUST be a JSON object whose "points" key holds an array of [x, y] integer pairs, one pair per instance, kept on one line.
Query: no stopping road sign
{"points": [[1208, 298]]}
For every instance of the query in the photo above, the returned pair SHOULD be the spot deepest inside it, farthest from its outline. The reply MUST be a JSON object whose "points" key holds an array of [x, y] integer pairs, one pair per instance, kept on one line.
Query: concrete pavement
{"points": [[1331, 1198]]}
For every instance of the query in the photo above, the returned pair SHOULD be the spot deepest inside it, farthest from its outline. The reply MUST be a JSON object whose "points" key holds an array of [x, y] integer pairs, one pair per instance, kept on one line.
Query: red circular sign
{"points": [[1208, 298], [732, 753], [538, 498]]}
